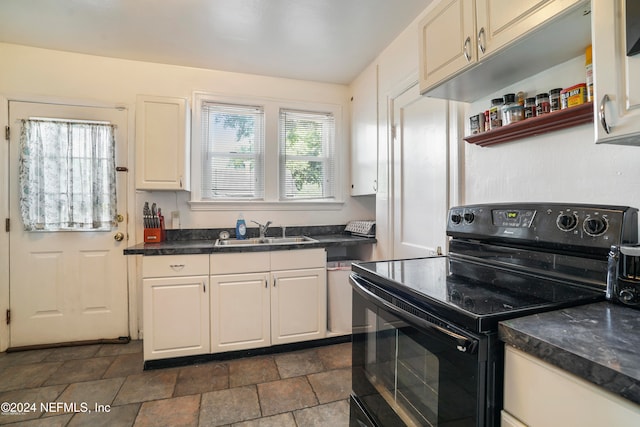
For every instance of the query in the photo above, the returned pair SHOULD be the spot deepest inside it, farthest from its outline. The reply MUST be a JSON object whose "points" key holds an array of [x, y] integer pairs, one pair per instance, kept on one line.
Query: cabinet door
{"points": [[298, 305], [500, 22], [240, 311], [507, 420], [162, 143], [364, 133], [616, 83], [533, 388], [447, 41], [176, 316]]}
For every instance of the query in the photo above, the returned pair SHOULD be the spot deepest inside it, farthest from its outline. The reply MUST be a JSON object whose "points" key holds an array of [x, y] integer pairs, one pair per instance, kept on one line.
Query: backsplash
{"points": [[276, 231]]}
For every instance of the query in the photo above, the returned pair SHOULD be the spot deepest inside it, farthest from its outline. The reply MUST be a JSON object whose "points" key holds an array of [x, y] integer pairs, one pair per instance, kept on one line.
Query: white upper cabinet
{"points": [[447, 41], [616, 82], [500, 22], [469, 49], [162, 143], [364, 133]]}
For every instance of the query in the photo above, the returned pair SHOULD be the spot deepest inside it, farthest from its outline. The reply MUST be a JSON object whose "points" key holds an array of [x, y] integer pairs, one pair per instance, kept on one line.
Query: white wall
{"points": [[53, 75], [563, 166], [397, 69]]}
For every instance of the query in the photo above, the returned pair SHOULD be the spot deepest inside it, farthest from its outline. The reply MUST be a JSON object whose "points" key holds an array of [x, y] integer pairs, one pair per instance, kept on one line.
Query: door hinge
{"points": [[7, 133], [8, 316], [7, 225]]}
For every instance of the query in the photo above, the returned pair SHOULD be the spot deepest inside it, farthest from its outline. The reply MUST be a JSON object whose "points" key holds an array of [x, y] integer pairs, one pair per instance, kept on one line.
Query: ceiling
{"points": [[319, 40]]}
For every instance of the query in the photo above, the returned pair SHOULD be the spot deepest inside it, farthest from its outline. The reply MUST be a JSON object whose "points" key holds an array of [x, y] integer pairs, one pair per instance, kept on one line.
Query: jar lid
{"points": [[510, 97], [532, 99], [555, 91], [542, 95], [497, 101]]}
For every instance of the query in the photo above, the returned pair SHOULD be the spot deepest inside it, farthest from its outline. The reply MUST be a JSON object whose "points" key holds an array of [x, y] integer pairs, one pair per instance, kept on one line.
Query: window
{"points": [[67, 175], [253, 153], [232, 152], [306, 155]]}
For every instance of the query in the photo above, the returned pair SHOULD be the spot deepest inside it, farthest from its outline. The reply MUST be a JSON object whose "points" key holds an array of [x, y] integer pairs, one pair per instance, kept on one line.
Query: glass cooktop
{"points": [[474, 296]]}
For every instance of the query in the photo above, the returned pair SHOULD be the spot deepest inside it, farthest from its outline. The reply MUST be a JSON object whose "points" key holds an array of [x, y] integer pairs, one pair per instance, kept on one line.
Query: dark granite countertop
{"points": [[189, 242], [598, 342]]}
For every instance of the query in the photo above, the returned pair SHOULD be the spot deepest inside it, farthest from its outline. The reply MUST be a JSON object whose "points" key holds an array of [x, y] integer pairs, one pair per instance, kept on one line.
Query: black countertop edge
{"points": [[597, 342], [193, 247]]}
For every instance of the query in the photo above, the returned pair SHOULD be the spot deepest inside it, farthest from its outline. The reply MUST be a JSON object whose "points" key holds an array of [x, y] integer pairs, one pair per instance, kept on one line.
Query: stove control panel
{"points": [[514, 218], [598, 226]]}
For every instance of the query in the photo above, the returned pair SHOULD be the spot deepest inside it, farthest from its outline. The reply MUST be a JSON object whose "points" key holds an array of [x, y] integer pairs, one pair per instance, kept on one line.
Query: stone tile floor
{"points": [[105, 385]]}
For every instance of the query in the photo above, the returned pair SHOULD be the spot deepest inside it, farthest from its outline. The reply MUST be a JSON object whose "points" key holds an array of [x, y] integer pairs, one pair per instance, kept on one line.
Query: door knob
{"points": [[118, 237]]}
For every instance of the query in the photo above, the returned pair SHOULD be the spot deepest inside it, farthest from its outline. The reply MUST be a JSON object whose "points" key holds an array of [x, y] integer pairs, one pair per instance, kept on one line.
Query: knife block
{"points": [[155, 235]]}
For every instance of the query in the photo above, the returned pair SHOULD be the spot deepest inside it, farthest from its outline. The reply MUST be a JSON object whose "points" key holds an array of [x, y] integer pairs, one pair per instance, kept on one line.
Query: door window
{"points": [[67, 175]]}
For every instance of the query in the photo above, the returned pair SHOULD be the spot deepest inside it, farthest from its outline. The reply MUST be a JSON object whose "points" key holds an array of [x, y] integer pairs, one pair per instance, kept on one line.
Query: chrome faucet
{"points": [[263, 228]]}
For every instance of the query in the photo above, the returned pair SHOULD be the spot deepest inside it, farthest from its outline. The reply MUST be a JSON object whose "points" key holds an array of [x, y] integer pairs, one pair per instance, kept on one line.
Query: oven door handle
{"points": [[463, 344]]}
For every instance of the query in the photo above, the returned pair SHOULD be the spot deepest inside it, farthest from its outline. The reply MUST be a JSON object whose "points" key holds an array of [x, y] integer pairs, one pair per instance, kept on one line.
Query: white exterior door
{"points": [[420, 174], [70, 285]]}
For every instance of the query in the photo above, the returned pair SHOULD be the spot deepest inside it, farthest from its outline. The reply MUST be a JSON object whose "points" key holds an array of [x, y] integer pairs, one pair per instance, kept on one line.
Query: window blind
{"points": [[306, 155], [232, 151]]}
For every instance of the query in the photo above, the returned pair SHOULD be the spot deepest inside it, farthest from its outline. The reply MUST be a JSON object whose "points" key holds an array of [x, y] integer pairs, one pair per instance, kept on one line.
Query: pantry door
{"points": [[420, 174], [66, 286]]}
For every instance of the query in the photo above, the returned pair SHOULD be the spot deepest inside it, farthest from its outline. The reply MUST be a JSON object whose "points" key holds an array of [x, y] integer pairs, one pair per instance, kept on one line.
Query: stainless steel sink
{"points": [[265, 241]]}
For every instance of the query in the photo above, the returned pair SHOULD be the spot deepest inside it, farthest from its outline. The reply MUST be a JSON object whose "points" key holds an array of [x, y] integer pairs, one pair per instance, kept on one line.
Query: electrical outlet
{"points": [[175, 220]]}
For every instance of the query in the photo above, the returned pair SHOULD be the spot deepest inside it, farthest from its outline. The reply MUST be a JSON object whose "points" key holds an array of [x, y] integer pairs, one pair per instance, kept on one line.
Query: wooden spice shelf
{"points": [[557, 120]]}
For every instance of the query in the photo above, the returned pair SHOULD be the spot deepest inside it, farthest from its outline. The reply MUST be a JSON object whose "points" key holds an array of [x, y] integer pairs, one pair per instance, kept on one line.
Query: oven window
{"points": [[409, 376]]}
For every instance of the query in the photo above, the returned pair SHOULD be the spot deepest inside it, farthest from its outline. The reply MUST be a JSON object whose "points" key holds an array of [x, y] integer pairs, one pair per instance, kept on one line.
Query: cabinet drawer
{"points": [[247, 262], [175, 265], [297, 259]]}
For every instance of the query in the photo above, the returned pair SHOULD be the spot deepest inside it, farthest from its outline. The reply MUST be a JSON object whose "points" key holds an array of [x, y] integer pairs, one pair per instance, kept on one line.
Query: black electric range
{"points": [[425, 329]]}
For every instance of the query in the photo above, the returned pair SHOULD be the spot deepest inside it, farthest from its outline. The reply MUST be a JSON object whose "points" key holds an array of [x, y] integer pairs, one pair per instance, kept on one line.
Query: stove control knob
{"points": [[567, 222], [626, 295], [469, 217], [456, 218], [595, 226]]}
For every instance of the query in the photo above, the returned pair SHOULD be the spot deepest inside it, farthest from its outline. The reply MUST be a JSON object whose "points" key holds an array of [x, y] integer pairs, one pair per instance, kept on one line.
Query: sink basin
{"points": [[265, 241]]}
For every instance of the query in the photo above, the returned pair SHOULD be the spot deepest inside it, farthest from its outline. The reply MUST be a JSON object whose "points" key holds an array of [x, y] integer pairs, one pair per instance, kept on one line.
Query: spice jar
{"points": [[529, 108], [512, 111], [542, 104], [554, 99], [495, 113]]}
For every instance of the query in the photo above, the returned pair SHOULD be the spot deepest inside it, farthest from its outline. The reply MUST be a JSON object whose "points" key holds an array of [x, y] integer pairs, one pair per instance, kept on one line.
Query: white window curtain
{"points": [[67, 175], [232, 152], [307, 155]]}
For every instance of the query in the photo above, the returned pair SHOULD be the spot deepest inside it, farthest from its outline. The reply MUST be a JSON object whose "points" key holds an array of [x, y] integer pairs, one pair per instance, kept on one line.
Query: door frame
{"points": [[132, 263], [456, 112]]}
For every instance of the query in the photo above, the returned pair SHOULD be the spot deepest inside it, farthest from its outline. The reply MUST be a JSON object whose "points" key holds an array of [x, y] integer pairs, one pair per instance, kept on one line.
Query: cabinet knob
{"points": [[482, 40], [601, 114], [465, 49]]}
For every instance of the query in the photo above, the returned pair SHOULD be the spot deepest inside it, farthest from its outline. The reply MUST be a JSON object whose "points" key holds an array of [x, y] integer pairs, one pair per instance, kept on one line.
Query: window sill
{"points": [[258, 205]]}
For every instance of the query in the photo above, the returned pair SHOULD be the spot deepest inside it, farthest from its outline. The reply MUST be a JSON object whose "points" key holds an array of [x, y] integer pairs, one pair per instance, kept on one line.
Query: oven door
{"points": [[409, 368]]}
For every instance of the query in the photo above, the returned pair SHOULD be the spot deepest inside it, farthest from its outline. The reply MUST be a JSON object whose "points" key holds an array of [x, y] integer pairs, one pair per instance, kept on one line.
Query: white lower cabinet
{"points": [[240, 311], [175, 306], [298, 305], [538, 394], [506, 420], [198, 304], [267, 298]]}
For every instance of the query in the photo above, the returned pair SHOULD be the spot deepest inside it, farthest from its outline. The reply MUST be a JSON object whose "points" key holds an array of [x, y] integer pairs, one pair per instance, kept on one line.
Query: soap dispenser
{"points": [[241, 228]]}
